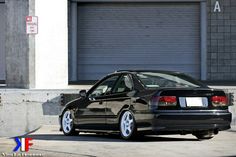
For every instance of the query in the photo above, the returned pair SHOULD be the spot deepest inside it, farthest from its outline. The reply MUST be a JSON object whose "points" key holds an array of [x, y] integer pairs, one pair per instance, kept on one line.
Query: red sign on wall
{"points": [[31, 25]]}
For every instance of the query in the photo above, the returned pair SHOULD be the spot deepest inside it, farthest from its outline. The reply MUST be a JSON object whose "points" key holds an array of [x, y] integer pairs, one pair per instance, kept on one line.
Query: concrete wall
{"points": [[51, 50], [2, 40], [23, 111], [18, 115], [17, 44]]}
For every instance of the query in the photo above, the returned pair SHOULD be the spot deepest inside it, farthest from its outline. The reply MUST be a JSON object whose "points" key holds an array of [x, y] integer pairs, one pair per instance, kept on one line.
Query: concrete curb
{"points": [[22, 111]]}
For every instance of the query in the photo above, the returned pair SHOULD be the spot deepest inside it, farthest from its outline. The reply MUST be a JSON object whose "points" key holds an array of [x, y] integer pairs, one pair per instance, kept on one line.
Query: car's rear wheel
{"points": [[204, 135], [127, 125], [67, 123]]}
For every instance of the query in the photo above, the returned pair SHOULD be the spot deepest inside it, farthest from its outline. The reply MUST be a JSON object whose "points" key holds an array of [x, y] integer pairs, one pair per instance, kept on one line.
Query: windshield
{"points": [[156, 80]]}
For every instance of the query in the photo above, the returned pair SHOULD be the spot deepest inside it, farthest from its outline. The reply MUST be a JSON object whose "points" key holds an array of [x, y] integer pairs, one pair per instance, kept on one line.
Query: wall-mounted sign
{"points": [[31, 25], [217, 7]]}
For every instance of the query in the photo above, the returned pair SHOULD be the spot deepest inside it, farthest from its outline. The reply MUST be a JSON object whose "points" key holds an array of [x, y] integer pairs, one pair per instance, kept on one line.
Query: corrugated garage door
{"points": [[2, 41], [114, 36]]}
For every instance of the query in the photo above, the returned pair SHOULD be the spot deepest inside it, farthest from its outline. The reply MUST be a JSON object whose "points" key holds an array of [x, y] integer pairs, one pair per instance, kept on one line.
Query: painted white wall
{"points": [[51, 44]]}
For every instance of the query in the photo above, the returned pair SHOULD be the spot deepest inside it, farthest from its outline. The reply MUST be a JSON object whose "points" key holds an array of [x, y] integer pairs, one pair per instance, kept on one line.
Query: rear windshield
{"points": [[156, 80]]}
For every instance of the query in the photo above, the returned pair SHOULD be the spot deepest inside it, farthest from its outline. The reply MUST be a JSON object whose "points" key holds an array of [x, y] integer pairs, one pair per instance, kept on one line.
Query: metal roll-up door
{"points": [[161, 36], [2, 41]]}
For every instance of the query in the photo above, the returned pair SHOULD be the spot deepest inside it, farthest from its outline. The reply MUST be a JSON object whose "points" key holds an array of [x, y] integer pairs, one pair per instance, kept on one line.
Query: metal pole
{"points": [[73, 35], [203, 27]]}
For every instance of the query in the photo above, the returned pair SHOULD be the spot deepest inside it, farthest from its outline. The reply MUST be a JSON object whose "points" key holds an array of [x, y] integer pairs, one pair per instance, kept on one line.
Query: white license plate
{"points": [[196, 102]]}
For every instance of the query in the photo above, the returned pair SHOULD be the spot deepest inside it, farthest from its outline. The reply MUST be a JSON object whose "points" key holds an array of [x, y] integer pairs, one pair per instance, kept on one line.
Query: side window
{"points": [[104, 87], [124, 84]]}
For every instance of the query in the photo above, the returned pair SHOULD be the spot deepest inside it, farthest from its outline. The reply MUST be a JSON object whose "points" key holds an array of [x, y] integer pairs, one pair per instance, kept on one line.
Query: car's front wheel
{"points": [[127, 125], [67, 123]]}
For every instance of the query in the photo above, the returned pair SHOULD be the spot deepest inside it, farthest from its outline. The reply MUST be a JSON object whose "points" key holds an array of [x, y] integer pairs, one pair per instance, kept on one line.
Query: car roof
{"points": [[158, 71]]}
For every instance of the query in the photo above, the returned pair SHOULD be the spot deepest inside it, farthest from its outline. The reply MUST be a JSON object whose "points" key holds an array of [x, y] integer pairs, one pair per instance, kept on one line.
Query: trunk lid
{"points": [[191, 98]]}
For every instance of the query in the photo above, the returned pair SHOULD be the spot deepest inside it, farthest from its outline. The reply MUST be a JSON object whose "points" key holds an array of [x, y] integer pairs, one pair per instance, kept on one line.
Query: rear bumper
{"points": [[185, 120]]}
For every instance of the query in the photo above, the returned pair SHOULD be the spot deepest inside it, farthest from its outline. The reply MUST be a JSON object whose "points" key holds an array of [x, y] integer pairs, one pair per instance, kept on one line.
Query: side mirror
{"points": [[83, 93]]}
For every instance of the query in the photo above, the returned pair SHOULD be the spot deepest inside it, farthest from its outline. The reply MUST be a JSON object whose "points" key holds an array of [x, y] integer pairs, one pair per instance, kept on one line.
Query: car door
{"points": [[119, 98], [91, 115]]}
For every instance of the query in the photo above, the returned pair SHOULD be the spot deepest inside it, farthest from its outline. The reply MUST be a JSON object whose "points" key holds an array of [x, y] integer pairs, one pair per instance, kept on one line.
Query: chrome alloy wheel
{"points": [[127, 124], [67, 122]]}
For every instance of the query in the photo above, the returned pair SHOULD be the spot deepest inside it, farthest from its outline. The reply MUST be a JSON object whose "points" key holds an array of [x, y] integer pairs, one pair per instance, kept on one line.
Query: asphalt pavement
{"points": [[49, 142]]}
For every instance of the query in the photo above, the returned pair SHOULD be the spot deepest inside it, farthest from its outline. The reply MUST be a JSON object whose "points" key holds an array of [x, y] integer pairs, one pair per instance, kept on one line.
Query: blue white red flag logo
{"points": [[23, 144]]}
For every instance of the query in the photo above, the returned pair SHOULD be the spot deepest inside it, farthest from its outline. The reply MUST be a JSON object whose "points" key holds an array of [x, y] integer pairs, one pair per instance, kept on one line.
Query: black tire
{"points": [[127, 130], [204, 135], [68, 131]]}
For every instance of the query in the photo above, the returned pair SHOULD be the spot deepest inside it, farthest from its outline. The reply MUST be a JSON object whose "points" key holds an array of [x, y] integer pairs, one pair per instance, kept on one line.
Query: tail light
{"points": [[163, 101], [219, 100], [167, 101]]}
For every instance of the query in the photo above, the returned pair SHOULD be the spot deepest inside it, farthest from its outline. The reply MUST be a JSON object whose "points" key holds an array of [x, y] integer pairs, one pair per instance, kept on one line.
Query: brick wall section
{"points": [[221, 37]]}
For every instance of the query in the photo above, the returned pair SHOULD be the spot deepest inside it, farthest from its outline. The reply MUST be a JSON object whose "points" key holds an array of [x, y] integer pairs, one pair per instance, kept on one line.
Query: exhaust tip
{"points": [[216, 131]]}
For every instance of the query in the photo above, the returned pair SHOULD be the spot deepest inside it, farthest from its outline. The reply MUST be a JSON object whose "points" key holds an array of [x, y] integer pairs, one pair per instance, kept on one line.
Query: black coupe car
{"points": [[148, 102]]}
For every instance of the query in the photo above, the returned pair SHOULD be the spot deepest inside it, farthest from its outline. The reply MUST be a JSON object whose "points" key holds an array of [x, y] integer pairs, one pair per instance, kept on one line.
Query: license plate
{"points": [[196, 102]]}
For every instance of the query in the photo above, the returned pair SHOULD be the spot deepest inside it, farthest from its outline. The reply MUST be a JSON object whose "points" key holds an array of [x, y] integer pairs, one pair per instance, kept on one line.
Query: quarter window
{"points": [[124, 84]]}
